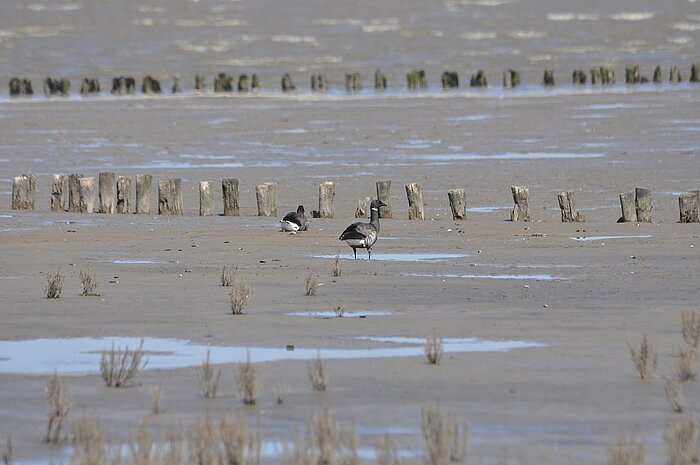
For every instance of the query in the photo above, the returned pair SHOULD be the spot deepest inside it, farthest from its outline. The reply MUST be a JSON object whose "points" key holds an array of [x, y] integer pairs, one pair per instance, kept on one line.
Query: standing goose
{"points": [[364, 235], [295, 221]]}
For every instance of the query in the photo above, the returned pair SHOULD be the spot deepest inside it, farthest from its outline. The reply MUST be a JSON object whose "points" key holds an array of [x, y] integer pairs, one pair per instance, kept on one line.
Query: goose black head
{"points": [[376, 204], [300, 209]]}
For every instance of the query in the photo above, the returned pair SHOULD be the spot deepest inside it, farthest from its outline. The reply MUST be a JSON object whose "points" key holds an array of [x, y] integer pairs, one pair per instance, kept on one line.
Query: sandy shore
{"points": [[557, 404]]}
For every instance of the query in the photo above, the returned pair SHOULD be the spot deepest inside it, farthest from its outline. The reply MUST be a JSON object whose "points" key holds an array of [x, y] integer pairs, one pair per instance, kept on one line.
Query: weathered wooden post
{"points": [[255, 83], [416, 80], [657, 78], [223, 83], [20, 87], [521, 210], [24, 192], [229, 189], [287, 84], [149, 85], [243, 83], [176, 89], [595, 77], [87, 187], [379, 80], [458, 203], [59, 187], [607, 76], [318, 82], [568, 208], [353, 82], [362, 207], [170, 196], [199, 83], [632, 75], [143, 193], [578, 77], [450, 80], [123, 194], [511, 78], [56, 86], [89, 86], [206, 199], [266, 195], [674, 76], [415, 201], [548, 78], [326, 195], [627, 205], [643, 204], [695, 72], [688, 202], [74, 192], [478, 79], [384, 194], [107, 192]]}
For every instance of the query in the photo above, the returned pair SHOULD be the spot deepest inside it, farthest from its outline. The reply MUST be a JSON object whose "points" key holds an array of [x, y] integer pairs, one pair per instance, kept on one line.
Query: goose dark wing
{"points": [[293, 217], [354, 231]]}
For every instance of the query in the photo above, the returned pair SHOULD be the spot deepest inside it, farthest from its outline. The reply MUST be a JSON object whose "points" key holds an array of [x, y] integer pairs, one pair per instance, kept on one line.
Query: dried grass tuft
{"points": [[433, 349], [239, 446], [175, 452], [690, 328], [8, 457], [59, 402], [645, 359], [156, 399], [680, 442], [323, 437], [88, 283], [248, 381], [280, 393], [89, 442], [118, 367], [686, 366], [336, 269], [459, 440], [311, 285], [386, 451], [141, 448], [208, 378], [436, 436], [626, 451], [318, 374], [54, 284], [227, 277], [238, 297], [204, 445], [674, 394]]}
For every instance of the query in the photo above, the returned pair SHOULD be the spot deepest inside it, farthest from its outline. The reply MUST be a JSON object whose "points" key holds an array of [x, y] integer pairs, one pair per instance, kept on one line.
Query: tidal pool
{"points": [[402, 257], [606, 238], [535, 277]]}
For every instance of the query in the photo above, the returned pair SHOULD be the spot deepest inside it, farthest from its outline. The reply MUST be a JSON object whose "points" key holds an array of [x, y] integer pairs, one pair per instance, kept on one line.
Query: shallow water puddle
{"points": [[330, 314], [403, 257], [534, 277], [605, 238], [138, 261], [82, 355]]}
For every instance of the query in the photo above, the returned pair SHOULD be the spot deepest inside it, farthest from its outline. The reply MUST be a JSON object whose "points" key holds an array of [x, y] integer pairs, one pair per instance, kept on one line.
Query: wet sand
{"points": [[561, 403]]}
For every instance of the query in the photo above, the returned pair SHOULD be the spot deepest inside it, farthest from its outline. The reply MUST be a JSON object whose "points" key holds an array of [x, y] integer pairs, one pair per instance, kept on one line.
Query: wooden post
{"points": [[108, 192], [578, 77], [643, 204], [695, 72], [632, 75], [229, 189], [24, 192], [170, 196], [287, 84], [658, 79], [266, 195], [206, 199], [568, 208], [379, 80], [674, 76], [123, 194], [58, 193], [548, 79], [415, 201], [450, 80], [74, 192], [478, 79], [627, 204], [362, 208], [87, 187], [384, 194], [511, 78], [353, 82], [688, 203], [326, 195], [521, 210], [458, 203], [143, 193]]}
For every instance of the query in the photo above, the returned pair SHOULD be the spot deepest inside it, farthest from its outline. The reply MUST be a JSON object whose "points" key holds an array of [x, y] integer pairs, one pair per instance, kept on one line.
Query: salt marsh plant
{"points": [[88, 283], [141, 448], [318, 373], [8, 457], [59, 402], [690, 328], [674, 394], [118, 366], [686, 365], [336, 269], [280, 393], [645, 359], [680, 442], [436, 436], [311, 285], [156, 399], [238, 297], [386, 451], [54, 284], [248, 381], [626, 451], [433, 349], [208, 378], [89, 442], [459, 439], [227, 277], [239, 446]]}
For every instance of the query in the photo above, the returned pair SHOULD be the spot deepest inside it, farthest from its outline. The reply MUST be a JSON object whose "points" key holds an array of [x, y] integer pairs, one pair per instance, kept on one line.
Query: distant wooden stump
{"points": [[326, 195], [450, 80], [595, 77], [353, 82], [415, 201], [206, 198], [688, 203], [266, 196], [628, 207], [548, 77], [362, 209], [87, 189], [199, 83], [318, 83], [243, 85], [89, 86], [123, 194], [59, 188], [632, 75], [674, 75], [287, 84], [143, 193], [568, 208], [229, 189], [170, 196], [150, 85], [521, 210], [695, 72], [384, 194], [511, 78], [578, 77], [657, 78], [122, 85], [379, 80], [176, 89], [223, 83], [255, 83], [458, 203], [74, 192], [416, 80], [56, 87], [478, 80], [607, 76], [24, 192], [643, 204], [20, 87], [107, 192]]}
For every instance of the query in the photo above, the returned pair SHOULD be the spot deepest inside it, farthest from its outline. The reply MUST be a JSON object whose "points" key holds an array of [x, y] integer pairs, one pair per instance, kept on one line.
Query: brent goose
{"points": [[364, 235], [295, 221]]}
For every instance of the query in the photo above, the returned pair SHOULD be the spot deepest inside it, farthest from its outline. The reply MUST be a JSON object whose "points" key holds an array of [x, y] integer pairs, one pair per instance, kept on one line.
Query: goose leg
{"points": [[369, 254], [354, 250]]}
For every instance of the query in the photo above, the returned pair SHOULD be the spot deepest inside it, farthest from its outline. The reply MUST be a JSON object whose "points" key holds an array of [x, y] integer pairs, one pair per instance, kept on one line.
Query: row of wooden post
{"points": [[414, 80], [78, 193]]}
